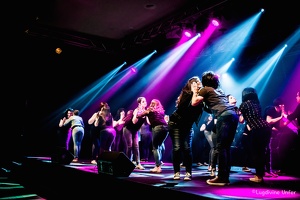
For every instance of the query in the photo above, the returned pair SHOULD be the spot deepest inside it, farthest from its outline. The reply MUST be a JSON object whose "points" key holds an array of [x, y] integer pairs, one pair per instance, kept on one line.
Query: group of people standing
{"points": [[195, 97], [206, 95], [108, 133]]}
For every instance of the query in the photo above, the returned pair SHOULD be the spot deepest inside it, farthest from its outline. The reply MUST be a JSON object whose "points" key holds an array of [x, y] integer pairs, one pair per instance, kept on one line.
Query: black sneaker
{"points": [[217, 181]]}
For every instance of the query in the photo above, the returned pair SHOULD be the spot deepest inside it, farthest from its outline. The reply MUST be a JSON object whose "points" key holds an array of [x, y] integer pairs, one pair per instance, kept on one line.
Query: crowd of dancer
{"points": [[149, 126]]}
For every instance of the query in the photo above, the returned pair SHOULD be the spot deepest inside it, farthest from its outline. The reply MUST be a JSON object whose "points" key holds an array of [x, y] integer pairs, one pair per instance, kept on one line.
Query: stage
{"points": [[50, 179]]}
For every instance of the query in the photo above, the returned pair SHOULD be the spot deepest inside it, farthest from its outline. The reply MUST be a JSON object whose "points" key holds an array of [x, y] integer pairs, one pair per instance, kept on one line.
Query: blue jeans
{"points": [[225, 131], [159, 135], [77, 134]]}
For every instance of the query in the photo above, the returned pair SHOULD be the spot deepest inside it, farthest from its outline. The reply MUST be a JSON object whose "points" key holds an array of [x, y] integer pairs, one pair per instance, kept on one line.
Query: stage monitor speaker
{"points": [[114, 163], [61, 156]]}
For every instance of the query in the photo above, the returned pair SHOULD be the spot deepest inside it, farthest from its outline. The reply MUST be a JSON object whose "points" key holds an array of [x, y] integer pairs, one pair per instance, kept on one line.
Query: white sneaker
{"points": [[94, 162], [156, 169], [176, 176], [139, 166], [256, 179], [187, 177]]}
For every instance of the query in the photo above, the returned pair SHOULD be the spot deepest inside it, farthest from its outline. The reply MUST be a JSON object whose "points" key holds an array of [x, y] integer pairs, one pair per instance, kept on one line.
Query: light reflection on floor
{"points": [[240, 186]]}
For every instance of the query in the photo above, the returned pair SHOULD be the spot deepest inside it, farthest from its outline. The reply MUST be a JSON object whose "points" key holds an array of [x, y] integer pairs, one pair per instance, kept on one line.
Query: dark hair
{"points": [[117, 116], [249, 93], [187, 88], [67, 110], [278, 101], [206, 119], [188, 84], [210, 79]]}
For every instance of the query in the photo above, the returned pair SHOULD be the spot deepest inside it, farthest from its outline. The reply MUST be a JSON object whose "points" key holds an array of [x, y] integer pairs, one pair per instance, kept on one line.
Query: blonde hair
{"points": [[158, 106]]}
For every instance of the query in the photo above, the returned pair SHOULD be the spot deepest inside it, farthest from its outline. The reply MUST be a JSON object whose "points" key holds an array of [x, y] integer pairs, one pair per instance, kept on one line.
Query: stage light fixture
{"points": [[58, 50], [188, 29], [215, 22], [187, 33]]}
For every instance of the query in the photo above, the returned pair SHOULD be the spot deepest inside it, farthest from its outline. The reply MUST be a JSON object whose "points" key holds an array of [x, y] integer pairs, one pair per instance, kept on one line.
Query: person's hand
{"points": [[122, 115], [150, 109], [120, 122], [284, 123], [194, 87]]}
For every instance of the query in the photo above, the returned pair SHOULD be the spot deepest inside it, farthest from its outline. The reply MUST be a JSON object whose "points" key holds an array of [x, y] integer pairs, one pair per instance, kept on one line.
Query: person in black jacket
{"points": [[215, 100], [181, 128]]}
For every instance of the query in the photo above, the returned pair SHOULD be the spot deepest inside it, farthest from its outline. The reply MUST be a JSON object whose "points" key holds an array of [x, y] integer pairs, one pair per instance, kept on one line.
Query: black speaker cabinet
{"points": [[114, 163], [61, 156]]}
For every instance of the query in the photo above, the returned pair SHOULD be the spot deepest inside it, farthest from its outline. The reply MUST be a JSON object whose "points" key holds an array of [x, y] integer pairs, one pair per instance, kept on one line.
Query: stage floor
{"points": [[48, 180]]}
